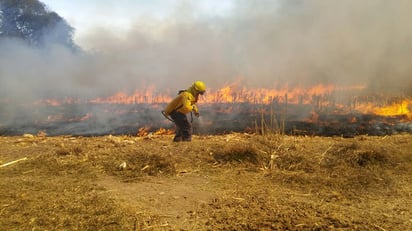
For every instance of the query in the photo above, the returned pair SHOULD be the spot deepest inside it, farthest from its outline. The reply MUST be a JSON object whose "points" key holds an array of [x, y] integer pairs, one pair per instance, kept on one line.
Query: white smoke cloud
{"points": [[266, 44], [263, 43], [310, 42]]}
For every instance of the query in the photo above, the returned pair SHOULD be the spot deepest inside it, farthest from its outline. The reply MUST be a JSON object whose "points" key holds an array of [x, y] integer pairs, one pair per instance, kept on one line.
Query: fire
{"points": [[391, 109], [163, 131], [148, 95], [319, 96], [233, 107], [229, 93], [232, 94], [145, 131], [401, 108]]}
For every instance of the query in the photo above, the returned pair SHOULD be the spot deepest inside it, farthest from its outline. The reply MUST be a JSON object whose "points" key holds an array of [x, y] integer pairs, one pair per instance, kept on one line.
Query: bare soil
{"points": [[223, 182]]}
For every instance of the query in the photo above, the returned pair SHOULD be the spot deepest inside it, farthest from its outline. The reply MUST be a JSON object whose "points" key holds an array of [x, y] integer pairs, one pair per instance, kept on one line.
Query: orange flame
{"points": [[319, 95], [227, 94], [393, 109], [231, 94], [401, 108], [139, 96]]}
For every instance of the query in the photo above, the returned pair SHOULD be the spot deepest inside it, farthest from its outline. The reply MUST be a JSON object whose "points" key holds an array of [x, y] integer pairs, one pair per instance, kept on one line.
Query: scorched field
{"points": [[235, 181]]}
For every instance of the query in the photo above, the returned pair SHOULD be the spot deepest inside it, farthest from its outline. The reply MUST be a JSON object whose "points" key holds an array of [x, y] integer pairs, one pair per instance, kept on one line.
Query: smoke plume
{"points": [[260, 43], [266, 43]]}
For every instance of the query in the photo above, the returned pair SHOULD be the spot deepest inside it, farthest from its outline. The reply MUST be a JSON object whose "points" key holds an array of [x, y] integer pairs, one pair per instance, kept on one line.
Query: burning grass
{"points": [[234, 181], [321, 116]]}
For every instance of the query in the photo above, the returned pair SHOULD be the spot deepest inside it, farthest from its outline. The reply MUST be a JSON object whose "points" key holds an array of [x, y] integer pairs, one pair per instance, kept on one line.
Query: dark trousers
{"points": [[183, 127]]}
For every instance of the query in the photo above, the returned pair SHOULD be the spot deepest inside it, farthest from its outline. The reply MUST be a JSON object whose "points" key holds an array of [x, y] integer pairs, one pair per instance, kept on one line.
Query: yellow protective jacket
{"points": [[185, 102]]}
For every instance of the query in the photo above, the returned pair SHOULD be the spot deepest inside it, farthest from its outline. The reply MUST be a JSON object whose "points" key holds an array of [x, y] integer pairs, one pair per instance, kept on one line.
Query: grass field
{"points": [[222, 182]]}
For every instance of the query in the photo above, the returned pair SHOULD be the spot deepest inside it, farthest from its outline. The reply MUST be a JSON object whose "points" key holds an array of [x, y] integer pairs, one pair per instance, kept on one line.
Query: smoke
{"points": [[262, 43], [265, 43], [310, 42]]}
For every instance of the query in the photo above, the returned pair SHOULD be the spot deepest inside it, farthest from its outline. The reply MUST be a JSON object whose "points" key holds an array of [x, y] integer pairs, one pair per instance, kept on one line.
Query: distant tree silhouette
{"points": [[31, 21]]}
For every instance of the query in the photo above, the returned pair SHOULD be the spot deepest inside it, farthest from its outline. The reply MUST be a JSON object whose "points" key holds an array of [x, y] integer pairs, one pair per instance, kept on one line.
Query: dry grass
{"points": [[213, 183]]}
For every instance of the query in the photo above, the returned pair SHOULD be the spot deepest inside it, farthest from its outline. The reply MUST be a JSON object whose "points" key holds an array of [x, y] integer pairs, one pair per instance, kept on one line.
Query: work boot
{"points": [[177, 139]]}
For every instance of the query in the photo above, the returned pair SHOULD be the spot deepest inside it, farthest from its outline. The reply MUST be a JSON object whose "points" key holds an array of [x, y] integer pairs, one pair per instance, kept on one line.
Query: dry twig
{"points": [[322, 156], [12, 162]]}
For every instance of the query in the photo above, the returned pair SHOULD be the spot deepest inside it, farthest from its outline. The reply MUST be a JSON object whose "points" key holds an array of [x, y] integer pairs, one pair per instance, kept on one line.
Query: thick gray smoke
{"points": [[262, 43], [265, 43], [309, 42], [270, 44]]}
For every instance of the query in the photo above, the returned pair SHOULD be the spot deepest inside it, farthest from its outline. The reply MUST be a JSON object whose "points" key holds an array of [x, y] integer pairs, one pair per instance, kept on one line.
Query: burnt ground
{"points": [[87, 119], [222, 182]]}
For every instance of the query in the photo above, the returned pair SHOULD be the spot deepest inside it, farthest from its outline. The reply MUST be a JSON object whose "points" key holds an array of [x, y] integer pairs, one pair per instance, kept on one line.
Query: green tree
{"points": [[31, 21]]}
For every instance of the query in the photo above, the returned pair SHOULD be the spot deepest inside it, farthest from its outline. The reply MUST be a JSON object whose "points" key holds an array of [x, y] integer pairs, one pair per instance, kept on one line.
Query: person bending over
{"points": [[180, 106]]}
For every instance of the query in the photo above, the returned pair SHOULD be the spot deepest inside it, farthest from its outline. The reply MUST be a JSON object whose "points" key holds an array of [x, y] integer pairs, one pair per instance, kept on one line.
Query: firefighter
{"points": [[184, 103]]}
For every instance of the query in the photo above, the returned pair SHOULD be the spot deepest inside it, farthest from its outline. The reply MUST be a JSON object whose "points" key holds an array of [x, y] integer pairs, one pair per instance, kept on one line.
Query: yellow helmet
{"points": [[199, 86]]}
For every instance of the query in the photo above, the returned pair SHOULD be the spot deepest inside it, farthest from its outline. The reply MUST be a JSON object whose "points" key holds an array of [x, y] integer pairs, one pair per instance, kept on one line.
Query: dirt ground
{"points": [[222, 182]]}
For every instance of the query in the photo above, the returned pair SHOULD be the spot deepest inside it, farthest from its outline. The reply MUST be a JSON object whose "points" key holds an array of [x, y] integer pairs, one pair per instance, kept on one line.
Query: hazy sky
{"points": [[120, 16]]}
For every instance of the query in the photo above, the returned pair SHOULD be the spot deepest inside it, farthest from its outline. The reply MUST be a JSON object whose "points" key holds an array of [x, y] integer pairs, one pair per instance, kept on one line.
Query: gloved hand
{"points": [[195, 111]]}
